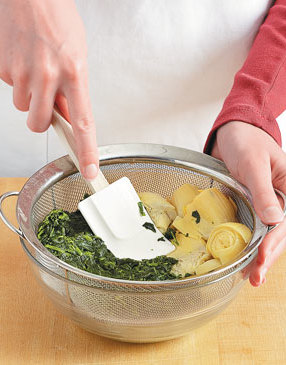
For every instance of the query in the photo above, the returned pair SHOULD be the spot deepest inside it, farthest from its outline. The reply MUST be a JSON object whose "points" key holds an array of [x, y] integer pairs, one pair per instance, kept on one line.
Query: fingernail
{"points": [[90, 172], [273, 214]]}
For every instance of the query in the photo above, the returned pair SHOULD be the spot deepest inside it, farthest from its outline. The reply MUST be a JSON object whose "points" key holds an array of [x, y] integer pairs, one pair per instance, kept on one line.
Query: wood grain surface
{"points": [[252, 330]]}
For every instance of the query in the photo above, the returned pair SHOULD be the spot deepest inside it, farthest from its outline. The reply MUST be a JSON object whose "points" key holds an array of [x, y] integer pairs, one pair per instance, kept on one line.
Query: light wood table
{"points": [[252, 330]]}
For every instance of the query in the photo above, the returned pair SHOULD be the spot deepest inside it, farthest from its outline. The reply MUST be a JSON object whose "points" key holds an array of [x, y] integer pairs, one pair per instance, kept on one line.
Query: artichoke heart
{"points": [[227, 240], [160, 210], [186, 245], [186, 225], [209, 209], [188, 263], [208, 266], [184, 195]]}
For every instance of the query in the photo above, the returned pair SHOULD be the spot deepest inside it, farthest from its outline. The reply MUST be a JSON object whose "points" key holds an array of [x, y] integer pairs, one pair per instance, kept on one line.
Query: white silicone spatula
{"points": [[112, 212]]}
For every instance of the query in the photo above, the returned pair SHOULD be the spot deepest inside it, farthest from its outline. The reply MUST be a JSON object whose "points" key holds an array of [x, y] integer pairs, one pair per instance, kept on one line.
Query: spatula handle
{"points": [[65, 134]]}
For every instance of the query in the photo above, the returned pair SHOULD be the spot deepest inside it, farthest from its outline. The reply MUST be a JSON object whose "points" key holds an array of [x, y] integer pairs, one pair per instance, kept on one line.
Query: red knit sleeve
{"points": [[258, 94]]}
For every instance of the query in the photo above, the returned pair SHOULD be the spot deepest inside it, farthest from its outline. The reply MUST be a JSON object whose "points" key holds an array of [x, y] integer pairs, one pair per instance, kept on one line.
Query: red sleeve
{"points": [[258, 94]]}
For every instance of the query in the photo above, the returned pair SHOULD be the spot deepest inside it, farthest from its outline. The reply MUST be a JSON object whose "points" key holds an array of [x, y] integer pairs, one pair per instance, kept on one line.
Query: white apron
{"points": [[159, 72]]}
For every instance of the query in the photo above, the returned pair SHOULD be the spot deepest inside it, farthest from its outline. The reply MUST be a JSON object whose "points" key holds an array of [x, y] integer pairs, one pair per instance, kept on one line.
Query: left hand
{"points": [[255, 159]]}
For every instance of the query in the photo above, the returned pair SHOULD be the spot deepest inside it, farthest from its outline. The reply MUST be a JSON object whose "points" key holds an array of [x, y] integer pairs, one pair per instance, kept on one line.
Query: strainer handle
{"points": [[283, 196], [3, 217]]}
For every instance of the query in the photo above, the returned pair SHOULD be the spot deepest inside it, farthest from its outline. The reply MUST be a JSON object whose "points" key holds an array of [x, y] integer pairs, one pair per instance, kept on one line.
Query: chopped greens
{"points": [[161, 239], [68, 237], [141, 209], [170, 234], [150, 226], [196, 215]]}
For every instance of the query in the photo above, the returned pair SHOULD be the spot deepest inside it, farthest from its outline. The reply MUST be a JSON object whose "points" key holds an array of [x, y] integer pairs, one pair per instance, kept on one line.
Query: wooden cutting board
{"points": [[252, 330]]}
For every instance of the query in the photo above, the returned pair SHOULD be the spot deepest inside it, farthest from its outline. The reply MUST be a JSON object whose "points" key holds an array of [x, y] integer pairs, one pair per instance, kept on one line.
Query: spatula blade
{"points": [[113, 214]]}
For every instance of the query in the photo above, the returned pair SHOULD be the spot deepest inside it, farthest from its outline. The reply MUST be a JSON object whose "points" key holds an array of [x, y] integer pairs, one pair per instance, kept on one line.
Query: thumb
{"points": [[259, 182]]}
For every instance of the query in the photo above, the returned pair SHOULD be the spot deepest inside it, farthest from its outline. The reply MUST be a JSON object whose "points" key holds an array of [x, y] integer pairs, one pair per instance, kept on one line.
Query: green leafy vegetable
{"points": [[141, 209], [68, 237], [150, 226], [196, 215], [161, 239], [170, 234]]}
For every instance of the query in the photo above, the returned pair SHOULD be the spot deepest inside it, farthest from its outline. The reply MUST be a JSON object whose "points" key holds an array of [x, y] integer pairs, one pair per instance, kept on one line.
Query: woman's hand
{"points": [[254, 158], [43, 56]]}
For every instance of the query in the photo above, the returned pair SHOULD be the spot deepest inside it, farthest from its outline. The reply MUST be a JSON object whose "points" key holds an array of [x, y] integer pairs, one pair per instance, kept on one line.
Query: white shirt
{"points": [[159, 72]]}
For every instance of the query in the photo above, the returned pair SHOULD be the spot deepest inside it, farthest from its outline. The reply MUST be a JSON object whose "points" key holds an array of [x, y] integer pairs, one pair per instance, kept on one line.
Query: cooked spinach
{"points": [[141, 209], [170, 234], [196, 215], [150, 226], [68, 237]]}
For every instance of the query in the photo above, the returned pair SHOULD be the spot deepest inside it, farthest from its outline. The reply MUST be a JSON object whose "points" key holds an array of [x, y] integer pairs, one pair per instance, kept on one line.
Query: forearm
{"points": [[258, 94]]}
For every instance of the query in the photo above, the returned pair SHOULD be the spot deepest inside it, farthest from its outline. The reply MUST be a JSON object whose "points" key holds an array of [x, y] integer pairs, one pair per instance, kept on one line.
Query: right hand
{"points": [[43, 55]]}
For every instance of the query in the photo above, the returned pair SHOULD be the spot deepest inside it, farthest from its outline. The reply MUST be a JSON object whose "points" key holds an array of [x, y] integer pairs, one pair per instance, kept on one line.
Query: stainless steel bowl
{"points": [[129, 310]]}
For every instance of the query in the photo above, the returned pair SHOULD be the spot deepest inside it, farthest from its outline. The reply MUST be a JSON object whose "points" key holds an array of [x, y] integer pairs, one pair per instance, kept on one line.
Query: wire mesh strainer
{"points": [[126, 310]]}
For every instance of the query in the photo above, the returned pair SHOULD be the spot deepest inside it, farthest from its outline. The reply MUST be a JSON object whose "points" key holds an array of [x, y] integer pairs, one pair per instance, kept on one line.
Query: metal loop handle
{"points": [[283, 196], [3, 217]]}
